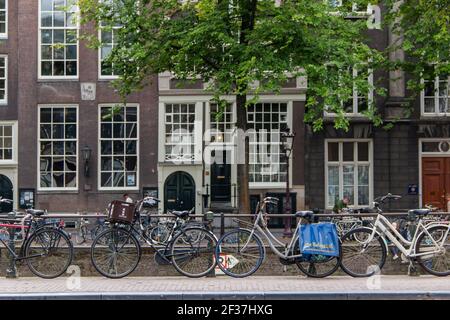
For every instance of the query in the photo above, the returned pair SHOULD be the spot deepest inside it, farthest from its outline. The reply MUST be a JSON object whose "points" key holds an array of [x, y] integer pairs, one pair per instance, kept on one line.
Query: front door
{"points": [[179, 192], [6, 192], [436, 182], [221, 179]]}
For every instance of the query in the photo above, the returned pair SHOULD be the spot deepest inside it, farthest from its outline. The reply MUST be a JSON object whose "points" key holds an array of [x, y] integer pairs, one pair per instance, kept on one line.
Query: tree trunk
{"points": [[242, 168]]}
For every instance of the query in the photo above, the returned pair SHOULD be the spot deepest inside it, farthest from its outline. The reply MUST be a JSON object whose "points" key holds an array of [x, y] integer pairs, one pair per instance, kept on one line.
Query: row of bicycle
{"points": [[195, 251]]}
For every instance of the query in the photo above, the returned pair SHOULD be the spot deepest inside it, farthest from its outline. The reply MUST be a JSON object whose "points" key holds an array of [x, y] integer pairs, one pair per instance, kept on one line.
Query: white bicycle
{"points": [[429, 246]]}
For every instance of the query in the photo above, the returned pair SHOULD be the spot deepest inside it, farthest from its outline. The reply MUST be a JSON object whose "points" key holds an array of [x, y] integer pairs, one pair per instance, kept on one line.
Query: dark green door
{"points": [[179, 192], [6, 191], [221, 180]]}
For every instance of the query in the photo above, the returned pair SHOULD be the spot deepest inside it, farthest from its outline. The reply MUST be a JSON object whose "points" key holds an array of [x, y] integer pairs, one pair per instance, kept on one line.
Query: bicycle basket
{"points": [[120, 211]]}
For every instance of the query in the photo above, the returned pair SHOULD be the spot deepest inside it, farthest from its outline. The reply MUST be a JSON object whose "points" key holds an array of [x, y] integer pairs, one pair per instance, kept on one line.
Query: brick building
{"points": [[412, 159], [54, 125], [54, 114]]}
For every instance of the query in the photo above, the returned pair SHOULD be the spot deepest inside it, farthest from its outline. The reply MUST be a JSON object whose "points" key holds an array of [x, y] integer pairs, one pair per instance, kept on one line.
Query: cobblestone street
{"points": [[223, 287]]}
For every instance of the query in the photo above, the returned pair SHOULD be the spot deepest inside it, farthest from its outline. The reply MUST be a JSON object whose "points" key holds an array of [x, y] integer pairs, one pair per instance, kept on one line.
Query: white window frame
{"points": [[355, 97], [359, 14], [5, 34], [99, 158], [77, 28], [275, 185], [436, 99], [355, 163], [5, 100], [100, 75], [77, 172], [14, 126]]}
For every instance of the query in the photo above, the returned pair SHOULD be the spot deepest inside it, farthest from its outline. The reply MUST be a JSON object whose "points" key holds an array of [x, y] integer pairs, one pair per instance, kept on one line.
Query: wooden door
{"points": [[435, 180]]}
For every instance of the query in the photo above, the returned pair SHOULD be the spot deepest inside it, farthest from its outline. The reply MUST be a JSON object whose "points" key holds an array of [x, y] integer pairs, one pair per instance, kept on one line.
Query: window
{"points": [[6, 142], [436, 97], [108, 41], [3, 19], [348, 172], [58, 45], [119, 147], [350, 5], [3, 79], [222, 129], [179, 132], [58, 150], [358, 103], [266, 162]]}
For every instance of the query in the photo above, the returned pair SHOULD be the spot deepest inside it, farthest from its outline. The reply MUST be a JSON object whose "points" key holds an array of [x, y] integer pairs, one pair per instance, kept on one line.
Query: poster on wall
{"points": [[26, 198], [150, 192]]}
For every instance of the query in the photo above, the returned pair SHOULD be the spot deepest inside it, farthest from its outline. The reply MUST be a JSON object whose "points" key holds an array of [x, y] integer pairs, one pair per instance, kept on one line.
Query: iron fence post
{"points": [[11, 271], [209, 218]]}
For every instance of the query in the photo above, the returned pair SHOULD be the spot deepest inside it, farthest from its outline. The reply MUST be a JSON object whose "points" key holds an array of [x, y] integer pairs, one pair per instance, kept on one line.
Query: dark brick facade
{"points": [[33, 92]]}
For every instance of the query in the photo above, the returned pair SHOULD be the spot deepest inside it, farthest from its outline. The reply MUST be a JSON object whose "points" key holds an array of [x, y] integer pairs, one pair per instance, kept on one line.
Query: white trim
{"points": [[15, 143], [422, 155], [354, 162], [5, 101], [100, 76], [99, 171], [77, 28], [5, 34], [38, 171], [263, 98], [437, 97], [355, 98]]}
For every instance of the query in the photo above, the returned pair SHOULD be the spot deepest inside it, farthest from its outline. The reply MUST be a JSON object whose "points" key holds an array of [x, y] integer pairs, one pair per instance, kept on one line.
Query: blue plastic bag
{"points": [[319, 238]]}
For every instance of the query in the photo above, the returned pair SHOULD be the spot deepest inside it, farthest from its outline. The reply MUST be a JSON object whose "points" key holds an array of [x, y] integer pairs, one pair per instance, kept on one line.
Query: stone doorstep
{"points": [[147, 266]]}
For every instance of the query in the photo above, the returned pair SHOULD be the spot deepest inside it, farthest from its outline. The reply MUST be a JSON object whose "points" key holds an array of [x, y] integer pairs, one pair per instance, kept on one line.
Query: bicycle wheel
{"points": [[362, 259], [437, 264], [239, 253], [159, 234], [48, 253], [115, 253], [191, 257], [316, 265]]}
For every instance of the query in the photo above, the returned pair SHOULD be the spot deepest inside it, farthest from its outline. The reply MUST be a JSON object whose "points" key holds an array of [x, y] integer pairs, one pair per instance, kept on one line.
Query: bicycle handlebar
{"points": [[389, 196]]}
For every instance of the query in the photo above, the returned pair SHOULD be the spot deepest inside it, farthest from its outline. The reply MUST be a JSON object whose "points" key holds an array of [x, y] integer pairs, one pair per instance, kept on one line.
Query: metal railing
{"points": [[16, 217]]}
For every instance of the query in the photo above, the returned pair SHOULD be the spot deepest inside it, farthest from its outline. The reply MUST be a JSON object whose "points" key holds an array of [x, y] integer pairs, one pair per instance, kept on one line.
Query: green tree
{"points": [[232, 44], [423, 27]]}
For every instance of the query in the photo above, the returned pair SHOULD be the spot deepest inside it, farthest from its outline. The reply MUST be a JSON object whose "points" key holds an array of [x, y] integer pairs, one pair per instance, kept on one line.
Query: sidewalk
{"points": [[384, 287]]}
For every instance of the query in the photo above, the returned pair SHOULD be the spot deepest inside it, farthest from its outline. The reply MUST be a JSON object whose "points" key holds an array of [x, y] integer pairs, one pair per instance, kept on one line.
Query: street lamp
{"points": [[287, 146], [86, 157]]}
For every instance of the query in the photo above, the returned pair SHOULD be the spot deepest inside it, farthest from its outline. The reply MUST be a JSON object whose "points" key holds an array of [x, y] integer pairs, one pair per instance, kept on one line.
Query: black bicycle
{"points": [[116, 252], [46, 247]]}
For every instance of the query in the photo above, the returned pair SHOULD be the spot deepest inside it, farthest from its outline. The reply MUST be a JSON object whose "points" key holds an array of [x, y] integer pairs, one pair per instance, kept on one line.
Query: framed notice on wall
{"points": [[26, 198], [150, 192]]}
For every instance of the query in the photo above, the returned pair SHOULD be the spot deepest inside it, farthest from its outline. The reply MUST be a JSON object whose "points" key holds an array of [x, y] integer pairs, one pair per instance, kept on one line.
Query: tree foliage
{"points": [[233, 44]]}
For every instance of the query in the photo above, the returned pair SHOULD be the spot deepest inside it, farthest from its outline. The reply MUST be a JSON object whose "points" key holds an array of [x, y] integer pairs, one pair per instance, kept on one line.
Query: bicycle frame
{"points": [[271, 239], [389, 231], [20, 256]]}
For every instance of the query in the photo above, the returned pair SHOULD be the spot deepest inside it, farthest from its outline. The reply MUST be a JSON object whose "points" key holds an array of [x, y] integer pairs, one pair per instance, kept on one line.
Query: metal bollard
{"points": [[209, 218], [11, 271]]}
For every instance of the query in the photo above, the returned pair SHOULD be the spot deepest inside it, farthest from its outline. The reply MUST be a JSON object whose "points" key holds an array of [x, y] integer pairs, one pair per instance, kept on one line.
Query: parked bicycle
{"points": [[86, 232], [241, 252], [166, 228], [46, 248], [116, 252], [429, 246]]}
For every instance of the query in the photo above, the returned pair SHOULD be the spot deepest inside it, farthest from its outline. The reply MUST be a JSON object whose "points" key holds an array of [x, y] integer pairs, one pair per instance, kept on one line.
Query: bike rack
{"points": [[208, 218]]}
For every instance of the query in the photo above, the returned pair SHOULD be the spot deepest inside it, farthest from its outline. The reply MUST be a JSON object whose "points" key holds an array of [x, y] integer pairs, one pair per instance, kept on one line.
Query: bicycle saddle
{"points": [[181, 214], [420, 212], [309, 215], [36, 212]]}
